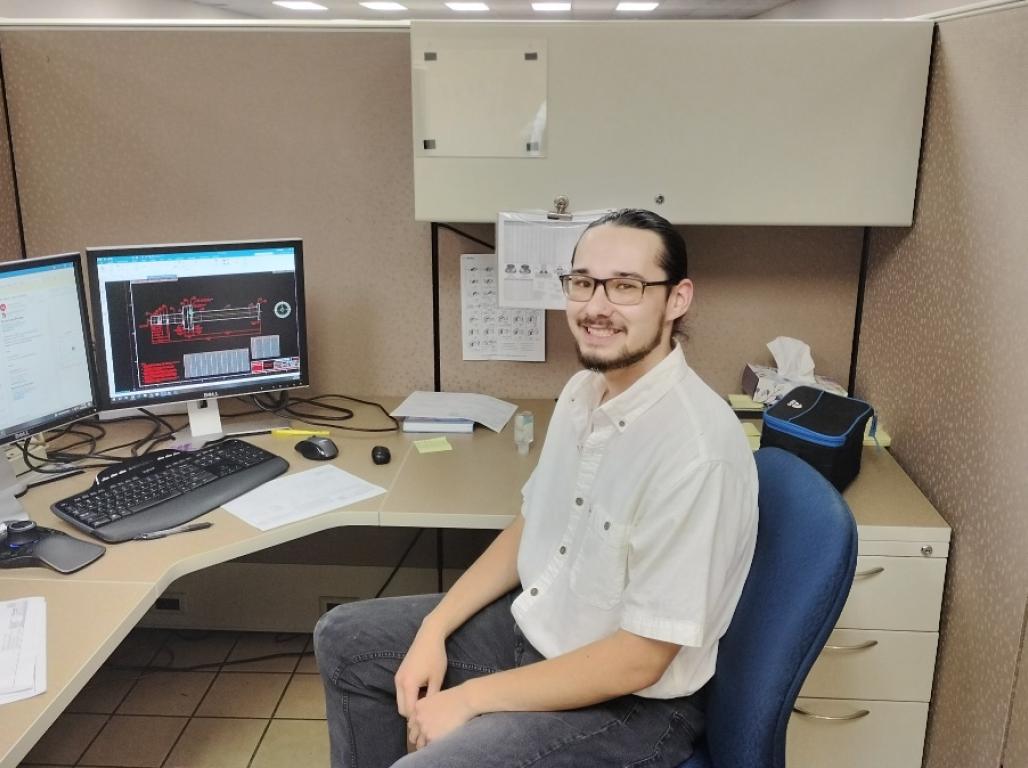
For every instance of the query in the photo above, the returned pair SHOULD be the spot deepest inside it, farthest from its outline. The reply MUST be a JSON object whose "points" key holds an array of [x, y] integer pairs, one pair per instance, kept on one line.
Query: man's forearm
{"points": [[614, 666], [493, 574]]}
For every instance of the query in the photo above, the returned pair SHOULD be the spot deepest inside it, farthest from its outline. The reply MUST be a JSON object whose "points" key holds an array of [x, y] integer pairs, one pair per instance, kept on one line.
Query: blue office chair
{"points": [[802, 570]]}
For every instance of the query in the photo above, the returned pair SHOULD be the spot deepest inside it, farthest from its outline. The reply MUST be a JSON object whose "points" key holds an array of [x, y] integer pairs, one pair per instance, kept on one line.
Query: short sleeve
{"points": [[689, 550]]}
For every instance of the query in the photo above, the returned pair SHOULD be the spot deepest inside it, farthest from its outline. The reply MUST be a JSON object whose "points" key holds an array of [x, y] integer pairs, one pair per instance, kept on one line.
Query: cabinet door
{"points": [[895, 593], [874, 664], [889, 735], [714, 123]]}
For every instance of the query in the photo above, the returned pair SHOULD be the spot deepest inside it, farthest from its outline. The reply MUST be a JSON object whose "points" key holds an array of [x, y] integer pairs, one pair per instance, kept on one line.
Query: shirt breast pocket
{"points": [[599, 572]]}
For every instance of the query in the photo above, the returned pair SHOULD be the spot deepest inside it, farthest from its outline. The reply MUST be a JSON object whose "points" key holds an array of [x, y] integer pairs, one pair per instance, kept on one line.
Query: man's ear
{"points": [[679, 300]]}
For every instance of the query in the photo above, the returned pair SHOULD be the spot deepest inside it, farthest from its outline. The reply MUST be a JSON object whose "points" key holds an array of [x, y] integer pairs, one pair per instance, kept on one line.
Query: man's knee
{"points": [[367, 626]]}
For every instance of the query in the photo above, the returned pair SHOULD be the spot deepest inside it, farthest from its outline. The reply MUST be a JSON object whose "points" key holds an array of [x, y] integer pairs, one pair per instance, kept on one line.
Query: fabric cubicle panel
{"points": [[942, 356], [752, 284], [181, 135], [10, 235]]}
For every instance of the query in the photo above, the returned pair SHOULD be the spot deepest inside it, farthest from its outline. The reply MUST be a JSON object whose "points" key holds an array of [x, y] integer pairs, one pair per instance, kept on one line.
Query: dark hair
{"points": [[672, 258]]}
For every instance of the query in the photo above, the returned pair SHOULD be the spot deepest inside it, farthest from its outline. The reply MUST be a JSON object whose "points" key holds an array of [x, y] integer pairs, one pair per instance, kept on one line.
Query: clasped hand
{"points": [[437, 712]]}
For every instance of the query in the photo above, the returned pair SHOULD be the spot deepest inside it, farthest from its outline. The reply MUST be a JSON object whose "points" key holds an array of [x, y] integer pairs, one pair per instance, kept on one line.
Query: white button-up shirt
{"points": [[641, 515]]}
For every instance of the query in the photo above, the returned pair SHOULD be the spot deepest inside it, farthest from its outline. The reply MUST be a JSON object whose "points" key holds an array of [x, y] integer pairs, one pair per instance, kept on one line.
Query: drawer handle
{"points": [[869, 572], [852, 716], [858, 647]]}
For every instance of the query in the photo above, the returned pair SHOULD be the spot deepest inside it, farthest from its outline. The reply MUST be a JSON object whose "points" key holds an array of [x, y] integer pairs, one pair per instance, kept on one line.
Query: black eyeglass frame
{"points": [[564, 279]]}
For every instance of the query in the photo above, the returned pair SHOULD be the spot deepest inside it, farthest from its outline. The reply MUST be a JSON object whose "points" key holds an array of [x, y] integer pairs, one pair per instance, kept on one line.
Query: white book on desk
{"points": [[431, 424]]}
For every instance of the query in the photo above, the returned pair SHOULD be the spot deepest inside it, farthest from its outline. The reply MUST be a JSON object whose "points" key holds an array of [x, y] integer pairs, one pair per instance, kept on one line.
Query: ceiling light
{"points": [[467, 6], [551, 7], [299, 5], [382, 5], [630, 6]]}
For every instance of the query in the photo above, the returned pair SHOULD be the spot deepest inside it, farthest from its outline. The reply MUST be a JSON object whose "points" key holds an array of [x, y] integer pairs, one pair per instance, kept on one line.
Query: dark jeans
{"points": [[359, 647]]}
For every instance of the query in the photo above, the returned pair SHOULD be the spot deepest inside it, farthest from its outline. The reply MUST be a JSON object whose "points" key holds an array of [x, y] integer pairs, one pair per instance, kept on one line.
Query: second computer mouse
{"points": [[380, 454], [317, 448]]}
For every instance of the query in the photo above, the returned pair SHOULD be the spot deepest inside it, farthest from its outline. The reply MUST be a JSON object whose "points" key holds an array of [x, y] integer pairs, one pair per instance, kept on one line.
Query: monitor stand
{"points": [[206, 425], [10, 486]]}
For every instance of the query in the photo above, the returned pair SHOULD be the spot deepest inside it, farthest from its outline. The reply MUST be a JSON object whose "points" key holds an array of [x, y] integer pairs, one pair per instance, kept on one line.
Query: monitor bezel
{"points": [[75, 259], [238, 390]]}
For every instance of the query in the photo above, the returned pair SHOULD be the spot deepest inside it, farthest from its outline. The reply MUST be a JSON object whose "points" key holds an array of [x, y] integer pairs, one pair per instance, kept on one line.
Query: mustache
{"points": [[599, 322]]}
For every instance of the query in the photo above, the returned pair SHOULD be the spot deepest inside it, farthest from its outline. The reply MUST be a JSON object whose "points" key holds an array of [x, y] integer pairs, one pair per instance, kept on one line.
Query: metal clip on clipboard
{"points": [[560, 212]]}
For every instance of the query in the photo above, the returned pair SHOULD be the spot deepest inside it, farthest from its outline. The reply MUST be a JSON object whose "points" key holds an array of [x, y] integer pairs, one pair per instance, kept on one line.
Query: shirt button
{"points": [[606, 526], [621, 423], [563, 550], [579, 501], [533, 591]]}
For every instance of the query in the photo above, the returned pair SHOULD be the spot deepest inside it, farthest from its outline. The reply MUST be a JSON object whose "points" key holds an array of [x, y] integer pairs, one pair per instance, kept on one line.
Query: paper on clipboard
{"points": [[490, 332], [533, 250]]}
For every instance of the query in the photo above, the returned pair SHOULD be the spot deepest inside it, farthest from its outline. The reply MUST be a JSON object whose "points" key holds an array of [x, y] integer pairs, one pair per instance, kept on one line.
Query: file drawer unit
{"points": [[865, 702]]}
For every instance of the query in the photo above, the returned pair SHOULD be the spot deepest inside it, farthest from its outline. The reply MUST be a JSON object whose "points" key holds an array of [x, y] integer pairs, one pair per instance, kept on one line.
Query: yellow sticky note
{"points": [[433, 445], [745, 402], [884, 441]]}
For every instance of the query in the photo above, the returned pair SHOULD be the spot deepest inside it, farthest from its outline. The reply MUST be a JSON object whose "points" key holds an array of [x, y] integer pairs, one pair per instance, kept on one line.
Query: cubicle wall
{"points": [[10, 241], [943, 356], [143, 136]]}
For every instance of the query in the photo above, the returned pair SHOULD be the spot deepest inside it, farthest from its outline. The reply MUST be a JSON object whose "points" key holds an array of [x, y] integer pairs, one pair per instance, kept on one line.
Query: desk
{"points": [[477, 485]]}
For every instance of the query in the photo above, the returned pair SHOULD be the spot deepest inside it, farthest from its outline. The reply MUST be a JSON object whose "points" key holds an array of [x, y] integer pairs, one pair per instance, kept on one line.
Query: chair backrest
{"points": [[802, 570]]}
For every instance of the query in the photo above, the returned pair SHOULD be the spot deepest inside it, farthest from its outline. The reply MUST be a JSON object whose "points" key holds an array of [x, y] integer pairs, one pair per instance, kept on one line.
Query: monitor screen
{"points": [[46, 374], [197, 321]]}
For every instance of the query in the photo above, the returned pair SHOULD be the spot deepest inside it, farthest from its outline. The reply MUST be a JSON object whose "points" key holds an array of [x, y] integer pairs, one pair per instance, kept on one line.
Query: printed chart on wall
{"points": [[534, 251], [489, 331]]}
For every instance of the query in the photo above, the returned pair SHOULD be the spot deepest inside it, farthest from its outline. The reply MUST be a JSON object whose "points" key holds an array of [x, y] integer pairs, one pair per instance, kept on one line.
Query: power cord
{"points": [[285, 405]]}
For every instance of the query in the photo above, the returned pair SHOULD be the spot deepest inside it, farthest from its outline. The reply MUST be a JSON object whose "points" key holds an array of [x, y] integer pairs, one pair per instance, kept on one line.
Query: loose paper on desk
{"points": [[533, 251], [22, 648], [489, 332], [487, 411], [300, 496]]}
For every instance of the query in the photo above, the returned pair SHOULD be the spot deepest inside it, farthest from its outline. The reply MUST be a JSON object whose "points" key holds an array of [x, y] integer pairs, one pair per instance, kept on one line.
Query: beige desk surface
{"points": [[476, 485], [85, 621]]}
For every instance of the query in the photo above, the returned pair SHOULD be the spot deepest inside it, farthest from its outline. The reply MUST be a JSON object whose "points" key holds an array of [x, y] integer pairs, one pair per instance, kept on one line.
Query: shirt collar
{"points": [[622, 410]]}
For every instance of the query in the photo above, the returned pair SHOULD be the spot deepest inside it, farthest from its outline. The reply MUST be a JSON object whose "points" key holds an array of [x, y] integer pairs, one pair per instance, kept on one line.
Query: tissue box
{"points": [[824, 430], [766, 385]]}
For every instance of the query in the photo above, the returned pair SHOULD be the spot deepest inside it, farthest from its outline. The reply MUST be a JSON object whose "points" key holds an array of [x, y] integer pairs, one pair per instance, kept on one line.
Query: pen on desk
{"points": [[171, 531], [301, 432]]}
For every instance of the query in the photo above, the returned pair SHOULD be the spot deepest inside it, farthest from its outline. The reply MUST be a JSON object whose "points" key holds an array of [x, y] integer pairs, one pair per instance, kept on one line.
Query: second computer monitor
{"points": [[197, 321]]}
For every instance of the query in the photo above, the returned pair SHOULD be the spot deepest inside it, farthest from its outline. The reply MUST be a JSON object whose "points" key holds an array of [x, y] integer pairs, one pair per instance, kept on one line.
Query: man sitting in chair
{"points": [[582, 634]]}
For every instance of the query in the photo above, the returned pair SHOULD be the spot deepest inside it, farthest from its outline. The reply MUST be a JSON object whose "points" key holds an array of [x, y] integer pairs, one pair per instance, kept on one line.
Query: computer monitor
{"points": [[198, 321], [46, 373]]}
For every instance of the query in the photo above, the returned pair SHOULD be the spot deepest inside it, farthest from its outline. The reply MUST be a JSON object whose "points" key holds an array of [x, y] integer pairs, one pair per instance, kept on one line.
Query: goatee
{"points": [[627, 358]]}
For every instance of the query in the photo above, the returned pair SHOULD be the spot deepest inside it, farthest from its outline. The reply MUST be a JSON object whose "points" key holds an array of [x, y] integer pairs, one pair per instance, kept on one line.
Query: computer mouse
{"points": [[317, 448], [380, 454]]}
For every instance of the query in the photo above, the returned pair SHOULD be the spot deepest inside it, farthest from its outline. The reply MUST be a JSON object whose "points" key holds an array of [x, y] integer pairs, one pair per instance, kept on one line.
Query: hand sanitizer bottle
{"points": [[524, 431]]}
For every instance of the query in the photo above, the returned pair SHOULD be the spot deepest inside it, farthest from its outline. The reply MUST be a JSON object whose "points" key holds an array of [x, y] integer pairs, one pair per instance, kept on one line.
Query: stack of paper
{"points": [[22, 648], [452, 412], [428, 424]]}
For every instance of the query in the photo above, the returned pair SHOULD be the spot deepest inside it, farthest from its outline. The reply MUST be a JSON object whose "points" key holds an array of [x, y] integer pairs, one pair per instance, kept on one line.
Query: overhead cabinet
{"points": [[706, 122]]}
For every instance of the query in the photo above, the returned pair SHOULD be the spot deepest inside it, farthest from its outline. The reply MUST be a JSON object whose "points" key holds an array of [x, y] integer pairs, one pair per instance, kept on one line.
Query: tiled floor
{"points": [[263, 714]]}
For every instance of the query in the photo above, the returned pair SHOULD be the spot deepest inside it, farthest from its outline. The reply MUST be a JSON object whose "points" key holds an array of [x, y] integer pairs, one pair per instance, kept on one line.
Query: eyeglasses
{"points": [[619, 290]]}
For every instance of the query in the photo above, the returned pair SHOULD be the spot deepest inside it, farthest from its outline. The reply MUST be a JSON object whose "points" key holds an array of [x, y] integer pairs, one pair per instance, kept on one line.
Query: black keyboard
{"points": [[168, 488]]}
